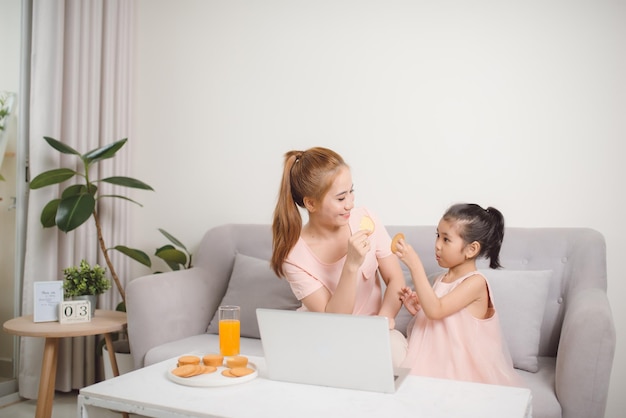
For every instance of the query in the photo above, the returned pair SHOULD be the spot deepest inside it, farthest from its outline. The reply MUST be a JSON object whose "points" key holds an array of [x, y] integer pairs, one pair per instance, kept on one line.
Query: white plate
{"points": [[212, 379]]}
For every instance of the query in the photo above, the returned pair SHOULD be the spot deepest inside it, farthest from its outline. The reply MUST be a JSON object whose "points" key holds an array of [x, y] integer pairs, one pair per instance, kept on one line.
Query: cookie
{"points": [[241, 371], [208, 369], [366, 224], [182, 360], [227, 373], [394, 241], [186, 370], [236, 361], [213, 360]]}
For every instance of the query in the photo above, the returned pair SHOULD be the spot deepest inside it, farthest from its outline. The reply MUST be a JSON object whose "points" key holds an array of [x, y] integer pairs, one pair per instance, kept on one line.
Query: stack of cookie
{"points": [[189, 365]]}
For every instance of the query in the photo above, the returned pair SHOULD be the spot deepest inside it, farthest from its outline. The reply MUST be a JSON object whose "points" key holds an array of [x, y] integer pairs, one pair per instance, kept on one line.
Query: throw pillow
{"points": [[520, 299], [254, 285]]}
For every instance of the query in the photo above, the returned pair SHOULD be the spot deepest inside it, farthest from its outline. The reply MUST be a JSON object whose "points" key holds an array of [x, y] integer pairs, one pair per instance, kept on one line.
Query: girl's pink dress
{"points": [[460, 346]]}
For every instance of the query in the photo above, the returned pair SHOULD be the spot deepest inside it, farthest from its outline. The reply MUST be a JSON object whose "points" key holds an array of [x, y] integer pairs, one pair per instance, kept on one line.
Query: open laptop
{"points": [[336, 350]]}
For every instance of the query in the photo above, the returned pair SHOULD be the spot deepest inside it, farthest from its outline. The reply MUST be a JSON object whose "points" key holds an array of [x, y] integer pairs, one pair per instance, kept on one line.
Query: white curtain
{"points": [[80, 95]]}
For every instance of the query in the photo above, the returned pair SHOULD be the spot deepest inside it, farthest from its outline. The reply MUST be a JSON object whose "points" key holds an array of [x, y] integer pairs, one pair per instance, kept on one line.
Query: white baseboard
{"points": [[9, 387]]}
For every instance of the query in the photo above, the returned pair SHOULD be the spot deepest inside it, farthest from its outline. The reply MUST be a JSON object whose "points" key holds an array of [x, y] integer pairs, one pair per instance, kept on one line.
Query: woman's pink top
{"points": [[306, 273], [460, 346]]}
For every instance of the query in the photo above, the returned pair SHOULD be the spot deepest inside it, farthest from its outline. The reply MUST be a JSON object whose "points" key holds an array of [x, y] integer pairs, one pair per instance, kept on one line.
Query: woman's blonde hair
{"points": [[307, 174]]}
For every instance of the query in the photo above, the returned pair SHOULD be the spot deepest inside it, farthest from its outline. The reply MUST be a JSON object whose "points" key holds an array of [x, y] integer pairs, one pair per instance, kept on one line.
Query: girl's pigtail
{"points": [[496, 236]]}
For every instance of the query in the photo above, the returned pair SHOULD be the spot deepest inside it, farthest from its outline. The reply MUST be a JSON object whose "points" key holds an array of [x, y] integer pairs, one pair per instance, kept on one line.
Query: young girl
{"points": [[456, 333], [331, 263]]}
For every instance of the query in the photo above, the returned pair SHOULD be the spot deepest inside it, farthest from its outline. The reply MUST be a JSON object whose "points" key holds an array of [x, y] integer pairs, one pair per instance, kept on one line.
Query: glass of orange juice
{"points": [[229, 327]]}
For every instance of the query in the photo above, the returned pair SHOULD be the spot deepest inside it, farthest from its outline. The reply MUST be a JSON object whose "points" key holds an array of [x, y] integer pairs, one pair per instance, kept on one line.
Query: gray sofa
{"points": [[551, 297]]}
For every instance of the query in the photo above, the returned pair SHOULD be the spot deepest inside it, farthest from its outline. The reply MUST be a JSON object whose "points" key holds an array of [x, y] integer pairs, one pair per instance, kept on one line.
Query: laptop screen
{"points": [[336, 350]]}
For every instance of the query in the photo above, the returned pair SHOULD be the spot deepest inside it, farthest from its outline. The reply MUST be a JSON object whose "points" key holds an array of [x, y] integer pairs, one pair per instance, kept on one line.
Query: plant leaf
{"points": [[61, 147], [49, 213], [73, 190], [117, 196], [74, 211], [171, 255], [172, 239], [174, 266], [47, 178], [104, 152], [127, 182], [135, 254], [76, 189]]}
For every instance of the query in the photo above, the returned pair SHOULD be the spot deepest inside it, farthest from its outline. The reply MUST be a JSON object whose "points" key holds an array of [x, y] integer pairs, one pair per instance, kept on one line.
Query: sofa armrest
{"points": [[168, 306], [585, 354]]}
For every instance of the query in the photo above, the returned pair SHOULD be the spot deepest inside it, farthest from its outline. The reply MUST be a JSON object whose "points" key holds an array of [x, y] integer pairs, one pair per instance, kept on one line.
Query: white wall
{"points": [[519, 105]]}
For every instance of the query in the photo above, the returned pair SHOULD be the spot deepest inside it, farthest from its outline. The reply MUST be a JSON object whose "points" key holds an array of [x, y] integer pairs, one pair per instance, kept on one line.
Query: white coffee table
{"points": [[149, 392]]}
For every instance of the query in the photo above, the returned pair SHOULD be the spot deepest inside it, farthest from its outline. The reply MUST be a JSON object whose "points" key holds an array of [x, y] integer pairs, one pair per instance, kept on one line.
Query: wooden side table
{"points": [[103, 322]]}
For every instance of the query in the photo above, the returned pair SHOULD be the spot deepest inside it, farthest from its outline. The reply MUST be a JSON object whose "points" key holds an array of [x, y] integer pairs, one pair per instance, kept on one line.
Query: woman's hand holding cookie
{"points": [[366, 228], [358, 247]]}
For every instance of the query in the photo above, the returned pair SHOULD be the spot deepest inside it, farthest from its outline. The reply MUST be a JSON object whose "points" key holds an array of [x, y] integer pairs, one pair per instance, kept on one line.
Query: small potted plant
{"points": [[85, 282]]}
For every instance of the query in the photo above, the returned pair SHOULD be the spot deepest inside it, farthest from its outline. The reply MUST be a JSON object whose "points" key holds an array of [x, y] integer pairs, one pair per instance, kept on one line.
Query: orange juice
{"points": [[229, 337]]}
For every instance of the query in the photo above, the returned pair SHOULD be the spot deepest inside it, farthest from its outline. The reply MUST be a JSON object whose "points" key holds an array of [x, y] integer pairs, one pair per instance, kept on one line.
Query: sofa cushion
{"points": [[254, 285], [520, 299], [542, 384]]}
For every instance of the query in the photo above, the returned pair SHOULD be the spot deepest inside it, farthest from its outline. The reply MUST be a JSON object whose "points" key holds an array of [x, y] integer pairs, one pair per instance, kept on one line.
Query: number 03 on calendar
{"points": [[73, 311]]}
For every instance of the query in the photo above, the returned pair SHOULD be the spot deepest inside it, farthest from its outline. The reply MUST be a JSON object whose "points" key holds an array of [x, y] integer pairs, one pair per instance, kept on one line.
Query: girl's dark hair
{"points": [[485, 226]]}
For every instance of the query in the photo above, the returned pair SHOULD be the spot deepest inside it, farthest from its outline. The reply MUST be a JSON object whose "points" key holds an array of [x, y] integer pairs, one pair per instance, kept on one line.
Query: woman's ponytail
{"points": [[287, 222]]}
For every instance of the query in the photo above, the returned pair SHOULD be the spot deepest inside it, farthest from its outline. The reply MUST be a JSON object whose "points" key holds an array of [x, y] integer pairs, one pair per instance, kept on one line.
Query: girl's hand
{"points": [[407, 254], [410, 300]]}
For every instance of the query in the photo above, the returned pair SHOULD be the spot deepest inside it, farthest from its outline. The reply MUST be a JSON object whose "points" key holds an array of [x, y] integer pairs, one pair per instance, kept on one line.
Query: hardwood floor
{"points": [[64, 407]]}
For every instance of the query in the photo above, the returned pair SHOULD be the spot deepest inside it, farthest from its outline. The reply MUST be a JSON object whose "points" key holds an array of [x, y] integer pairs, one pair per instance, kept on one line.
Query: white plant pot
{"points": [[122, 357]]}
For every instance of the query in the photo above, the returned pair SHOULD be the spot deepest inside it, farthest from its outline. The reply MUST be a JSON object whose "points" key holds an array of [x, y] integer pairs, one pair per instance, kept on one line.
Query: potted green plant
{"points": [[77, 202], [85, 282]]}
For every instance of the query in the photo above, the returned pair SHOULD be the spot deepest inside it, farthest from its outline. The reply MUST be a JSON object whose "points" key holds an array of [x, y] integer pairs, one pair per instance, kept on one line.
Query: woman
{"points": [[332, 263]]}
